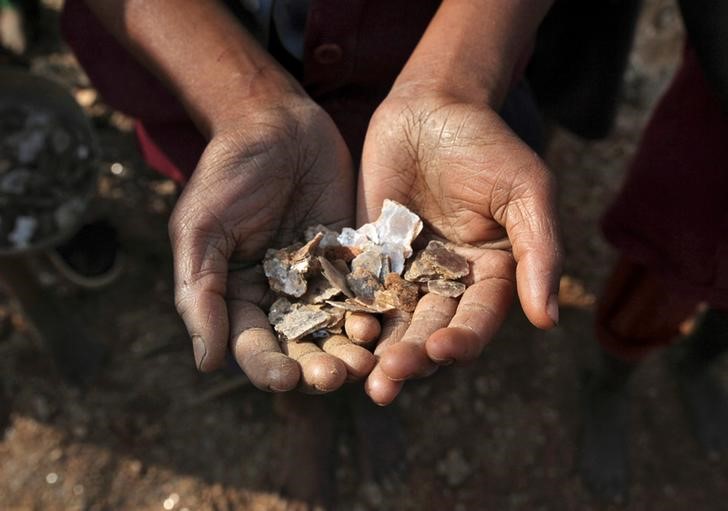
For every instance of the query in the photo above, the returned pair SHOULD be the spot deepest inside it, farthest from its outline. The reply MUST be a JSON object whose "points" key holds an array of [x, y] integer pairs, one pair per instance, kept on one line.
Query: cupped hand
{"points": [[478, 187], [261, 181]]}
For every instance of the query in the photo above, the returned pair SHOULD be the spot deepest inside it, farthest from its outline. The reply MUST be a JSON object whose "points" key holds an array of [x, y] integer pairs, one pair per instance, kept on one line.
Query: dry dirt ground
{"points": [[501, 434]]}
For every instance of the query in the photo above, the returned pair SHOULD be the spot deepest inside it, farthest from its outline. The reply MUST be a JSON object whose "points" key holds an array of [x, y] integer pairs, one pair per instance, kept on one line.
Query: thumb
{"points": [[201, 254], [531, 222]]}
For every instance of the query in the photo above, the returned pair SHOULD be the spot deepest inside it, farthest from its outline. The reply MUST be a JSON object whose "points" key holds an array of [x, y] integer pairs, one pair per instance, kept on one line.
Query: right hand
{"points": [[269, 173]]}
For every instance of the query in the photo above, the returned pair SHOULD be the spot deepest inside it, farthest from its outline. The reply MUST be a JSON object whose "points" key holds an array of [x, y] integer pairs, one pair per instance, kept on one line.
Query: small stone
{"points": [[447, 288], [437, 262], [68, 213], [364, 284], [60, 140], [302, 321], [30, 147], [454, 468], [22, 233], [16, 182], [5, 165], [82, 152]]}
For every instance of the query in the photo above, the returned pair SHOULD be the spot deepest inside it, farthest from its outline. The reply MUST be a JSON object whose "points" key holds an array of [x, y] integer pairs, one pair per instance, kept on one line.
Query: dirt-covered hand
{"points": [[476, 185], [261, 181]]}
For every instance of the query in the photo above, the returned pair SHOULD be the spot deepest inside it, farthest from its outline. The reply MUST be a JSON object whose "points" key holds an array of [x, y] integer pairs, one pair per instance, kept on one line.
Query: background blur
{"points": [[153, 434]]}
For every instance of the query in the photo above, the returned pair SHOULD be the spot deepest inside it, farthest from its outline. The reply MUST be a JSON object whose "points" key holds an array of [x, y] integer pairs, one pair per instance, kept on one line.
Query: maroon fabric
{"points": [[671, 214], [168, 140], [670, 222], [374, 40], [637, 313]]}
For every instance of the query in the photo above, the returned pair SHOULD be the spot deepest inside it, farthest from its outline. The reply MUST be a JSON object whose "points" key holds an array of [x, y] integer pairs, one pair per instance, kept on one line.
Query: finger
{"points": [[378, 386], [200, 268], [257, 350], [407, 358], [358, 361], [482, 309], [394, 325], [531, 223], [362, 328], [320, 372]]}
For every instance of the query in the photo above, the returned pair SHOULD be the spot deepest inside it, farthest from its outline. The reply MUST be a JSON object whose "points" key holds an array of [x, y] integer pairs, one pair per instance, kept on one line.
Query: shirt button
{"points": [[328, 53]]}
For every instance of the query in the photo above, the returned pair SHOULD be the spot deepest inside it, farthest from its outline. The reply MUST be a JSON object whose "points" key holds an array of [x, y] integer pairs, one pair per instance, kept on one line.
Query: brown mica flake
{"points": [[397, 294], [447, 288], [354, 305], [302, 320], [335, 276], [437, 262], [319, 290], [340, 253], [337, 319], [364, 284]]}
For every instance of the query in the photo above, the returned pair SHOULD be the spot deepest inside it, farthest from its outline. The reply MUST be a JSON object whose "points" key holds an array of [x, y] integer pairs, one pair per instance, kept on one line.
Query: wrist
{"points": [[266, 89], [472, 49], [433, 87]]}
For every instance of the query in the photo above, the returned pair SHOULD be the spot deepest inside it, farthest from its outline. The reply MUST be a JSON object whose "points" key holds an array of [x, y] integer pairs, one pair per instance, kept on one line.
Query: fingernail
{"points": [[198, 347], [445, 362], [552, 308]]}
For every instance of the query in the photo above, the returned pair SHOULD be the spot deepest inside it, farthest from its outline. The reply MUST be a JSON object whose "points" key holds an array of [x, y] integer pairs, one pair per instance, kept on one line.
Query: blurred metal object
{"points": [[48, 159], [48, 174]]}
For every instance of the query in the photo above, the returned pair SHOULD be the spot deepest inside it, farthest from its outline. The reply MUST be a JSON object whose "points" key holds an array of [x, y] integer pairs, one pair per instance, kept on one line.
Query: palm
{"points": [[269, 187], [476, 185]]}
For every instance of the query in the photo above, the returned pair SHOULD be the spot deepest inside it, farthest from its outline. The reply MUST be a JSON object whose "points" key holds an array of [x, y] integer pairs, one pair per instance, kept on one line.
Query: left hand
{"points": [[476, 185]]}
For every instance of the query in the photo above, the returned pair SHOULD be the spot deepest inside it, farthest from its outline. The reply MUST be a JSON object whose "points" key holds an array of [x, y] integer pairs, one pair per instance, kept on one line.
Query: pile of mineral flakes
{"points": [[372, 269], [46, 177]]}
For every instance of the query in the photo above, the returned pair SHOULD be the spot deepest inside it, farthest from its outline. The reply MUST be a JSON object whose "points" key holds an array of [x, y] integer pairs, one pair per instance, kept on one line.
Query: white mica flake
{"points": [[23, 231], [396, 255], [396, 225], [352, 238], [16, 181], [82, 152], [31, 145], [330, 237], [370, 260], [302, 321], [67, 214]]}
